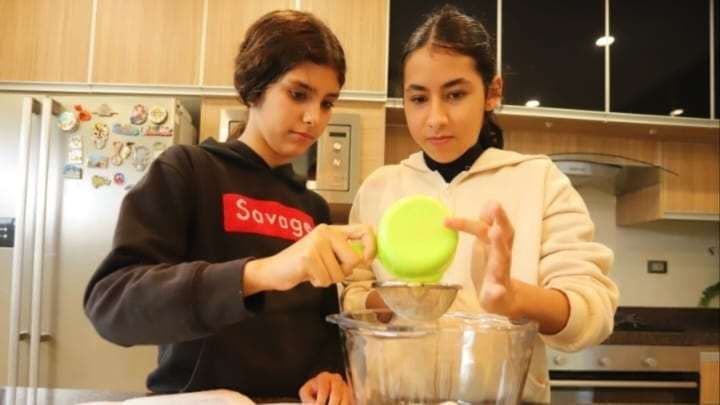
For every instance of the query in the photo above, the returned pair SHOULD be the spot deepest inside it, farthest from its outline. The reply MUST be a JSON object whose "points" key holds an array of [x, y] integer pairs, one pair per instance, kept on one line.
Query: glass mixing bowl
{"points": [[456, 359]]}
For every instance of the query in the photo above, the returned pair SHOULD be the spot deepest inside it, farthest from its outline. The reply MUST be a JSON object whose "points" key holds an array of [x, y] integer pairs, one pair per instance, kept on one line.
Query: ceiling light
{"points": [[676, 112], [532, 103], [605, 40]]}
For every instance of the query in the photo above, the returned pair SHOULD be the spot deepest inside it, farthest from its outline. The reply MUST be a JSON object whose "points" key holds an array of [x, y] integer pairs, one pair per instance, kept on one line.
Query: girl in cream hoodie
{"points": [[526, 239]]}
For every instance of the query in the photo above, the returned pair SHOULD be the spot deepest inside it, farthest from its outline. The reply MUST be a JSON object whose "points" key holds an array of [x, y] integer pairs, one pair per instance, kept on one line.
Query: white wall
{"points": [[683, 244]]}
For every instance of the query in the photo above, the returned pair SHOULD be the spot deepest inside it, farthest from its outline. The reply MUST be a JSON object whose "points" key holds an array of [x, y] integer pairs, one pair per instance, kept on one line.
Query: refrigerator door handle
{"points": [[49, 108], [30, 106]]}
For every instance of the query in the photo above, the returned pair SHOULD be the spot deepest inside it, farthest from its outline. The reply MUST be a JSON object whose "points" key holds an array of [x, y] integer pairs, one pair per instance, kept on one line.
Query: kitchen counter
{"points": [[65, 396], [694, 338]]}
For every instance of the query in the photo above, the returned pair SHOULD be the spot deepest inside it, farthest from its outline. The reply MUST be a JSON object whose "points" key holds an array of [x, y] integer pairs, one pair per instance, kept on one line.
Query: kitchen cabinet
{"points": [[361, 26], [709, 377], [549, 53], [406, 15], [693, 193], [148, 42], [227, 22], [45, 40], [660, 59]]}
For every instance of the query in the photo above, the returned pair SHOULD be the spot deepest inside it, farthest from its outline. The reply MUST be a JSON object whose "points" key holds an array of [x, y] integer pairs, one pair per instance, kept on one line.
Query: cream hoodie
{"points": [[552, 246]]}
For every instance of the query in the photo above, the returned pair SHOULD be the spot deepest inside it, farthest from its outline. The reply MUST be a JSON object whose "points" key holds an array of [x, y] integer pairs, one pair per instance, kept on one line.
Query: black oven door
{"points": [[578, 387]]}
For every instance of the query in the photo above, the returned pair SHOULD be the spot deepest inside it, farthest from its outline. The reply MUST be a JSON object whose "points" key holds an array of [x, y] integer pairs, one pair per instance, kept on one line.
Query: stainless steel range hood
{"points": [[609, 173]]}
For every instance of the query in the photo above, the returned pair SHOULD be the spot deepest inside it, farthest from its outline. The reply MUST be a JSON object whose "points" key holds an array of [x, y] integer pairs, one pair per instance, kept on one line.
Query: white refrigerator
{"points": [[65, 164]]}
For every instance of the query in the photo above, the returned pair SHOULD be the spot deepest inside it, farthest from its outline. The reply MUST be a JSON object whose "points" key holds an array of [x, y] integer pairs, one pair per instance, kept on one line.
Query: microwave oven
{"points": [[331, 165]]}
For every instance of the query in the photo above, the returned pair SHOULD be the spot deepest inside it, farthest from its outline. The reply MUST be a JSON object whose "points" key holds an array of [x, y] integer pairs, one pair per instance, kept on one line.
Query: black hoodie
{"points": [[174, 275]]}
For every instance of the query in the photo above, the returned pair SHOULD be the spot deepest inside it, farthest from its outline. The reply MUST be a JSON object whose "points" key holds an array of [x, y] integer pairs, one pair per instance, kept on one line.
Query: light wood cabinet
{"points": [[45, 40], [694, 193], [227, 22], [709, 378], [148, 42], [362, 28]]}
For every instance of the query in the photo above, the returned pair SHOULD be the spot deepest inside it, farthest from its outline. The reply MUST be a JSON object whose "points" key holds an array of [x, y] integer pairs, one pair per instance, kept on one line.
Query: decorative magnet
{"points": [[96, 161], [140, 157], [157, 130], [75, 141], [119, 179], [104, 110], [100, 135], [82, 114], [126, 150], [75, 156], [72, 171], [158, 148], [125, 129], [158, 115], [99, 181], [115, 158], [138, 116], [67, 121]]}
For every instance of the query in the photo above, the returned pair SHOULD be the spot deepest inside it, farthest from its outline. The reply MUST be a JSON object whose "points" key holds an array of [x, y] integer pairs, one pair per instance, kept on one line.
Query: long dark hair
{"points": [[279, 41], [448, 28]]}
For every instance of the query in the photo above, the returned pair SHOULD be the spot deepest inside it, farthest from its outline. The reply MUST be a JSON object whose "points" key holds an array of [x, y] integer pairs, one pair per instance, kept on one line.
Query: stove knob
{"points": [[604, 361], [649, 362], [337, 146], [336, 162], [560, 360]]}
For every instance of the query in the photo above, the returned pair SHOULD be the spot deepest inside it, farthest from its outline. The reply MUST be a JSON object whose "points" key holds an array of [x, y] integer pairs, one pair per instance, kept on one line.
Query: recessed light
{"points": [[532, 103], [605, 40], [676, 112]]}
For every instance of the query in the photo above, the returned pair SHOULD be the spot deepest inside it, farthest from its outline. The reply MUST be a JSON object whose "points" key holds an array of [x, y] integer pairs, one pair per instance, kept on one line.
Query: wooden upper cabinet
{"points": [[44, 40], [694, 193], [361, 27], [148, 42], [227, 22], [696, 188]]}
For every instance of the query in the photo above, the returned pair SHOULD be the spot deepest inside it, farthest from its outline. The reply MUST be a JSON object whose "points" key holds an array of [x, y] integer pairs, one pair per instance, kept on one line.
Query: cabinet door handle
{"points": [[25, 335]]}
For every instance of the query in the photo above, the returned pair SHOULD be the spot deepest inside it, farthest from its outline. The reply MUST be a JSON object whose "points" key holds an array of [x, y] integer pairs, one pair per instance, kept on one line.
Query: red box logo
{"points": [[247, 215]]}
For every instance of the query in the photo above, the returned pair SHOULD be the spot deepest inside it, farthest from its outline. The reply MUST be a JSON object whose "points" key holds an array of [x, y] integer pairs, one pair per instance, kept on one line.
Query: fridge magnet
{"points": [[82, 113], [125, 129], [158, 115], [99, 181], [104, 110], [119, 179], [100, 135], [138, 116], [72, 171], [96, 161], [140, 157], [157, 130], [117, 148], [75, 156], [126, 150], [67, 121], [158, 148], [75, 141]]}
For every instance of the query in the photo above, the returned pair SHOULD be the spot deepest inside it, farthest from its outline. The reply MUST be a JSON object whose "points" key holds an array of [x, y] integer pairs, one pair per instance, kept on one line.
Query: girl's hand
{"points": [[491, 259], [323, 257], [325, 388]]}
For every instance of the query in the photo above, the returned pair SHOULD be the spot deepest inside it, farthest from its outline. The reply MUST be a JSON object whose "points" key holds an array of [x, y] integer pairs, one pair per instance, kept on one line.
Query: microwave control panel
{"points": [[333, 159]]}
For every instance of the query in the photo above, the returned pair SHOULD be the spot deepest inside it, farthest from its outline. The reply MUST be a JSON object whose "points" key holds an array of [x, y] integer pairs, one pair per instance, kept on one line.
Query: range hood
{"points": [[609, 173]]}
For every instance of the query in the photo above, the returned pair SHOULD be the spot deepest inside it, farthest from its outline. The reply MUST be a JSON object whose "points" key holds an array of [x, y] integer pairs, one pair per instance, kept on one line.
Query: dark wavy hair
{"points": [[279, 41], [448, 28]]}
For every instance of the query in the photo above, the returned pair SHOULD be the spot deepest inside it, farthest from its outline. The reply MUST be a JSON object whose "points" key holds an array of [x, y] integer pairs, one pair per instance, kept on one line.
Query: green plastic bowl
{"points": [[413, 243]]}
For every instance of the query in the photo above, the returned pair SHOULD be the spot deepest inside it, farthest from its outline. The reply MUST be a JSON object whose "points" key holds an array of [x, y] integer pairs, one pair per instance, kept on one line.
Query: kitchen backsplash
{"points": [[685, 245]]}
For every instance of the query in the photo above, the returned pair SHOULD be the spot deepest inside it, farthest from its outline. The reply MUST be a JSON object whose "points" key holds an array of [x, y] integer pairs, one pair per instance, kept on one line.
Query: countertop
{"points": [[65, 396]]}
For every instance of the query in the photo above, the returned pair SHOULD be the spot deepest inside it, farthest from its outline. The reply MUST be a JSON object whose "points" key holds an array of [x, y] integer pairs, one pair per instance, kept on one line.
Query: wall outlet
{"points": [[657, 266]]}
